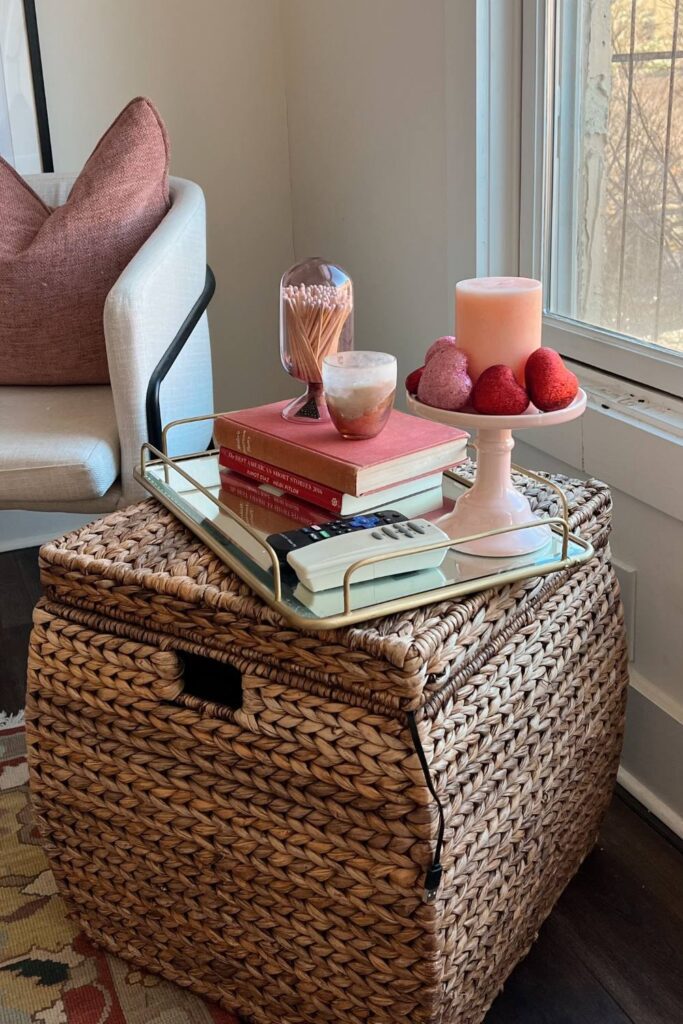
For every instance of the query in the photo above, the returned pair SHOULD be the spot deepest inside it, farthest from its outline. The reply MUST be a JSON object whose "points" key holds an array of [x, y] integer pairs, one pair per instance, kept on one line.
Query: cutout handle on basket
{"points": [[217, 682]]}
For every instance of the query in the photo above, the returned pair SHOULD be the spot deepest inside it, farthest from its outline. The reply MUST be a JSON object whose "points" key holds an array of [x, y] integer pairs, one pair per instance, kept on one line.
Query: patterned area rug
{"points": [[49, 972]]}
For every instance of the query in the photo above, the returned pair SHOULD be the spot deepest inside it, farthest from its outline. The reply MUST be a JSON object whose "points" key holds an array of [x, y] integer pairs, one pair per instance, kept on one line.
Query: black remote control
{"points": [[283, 543]]}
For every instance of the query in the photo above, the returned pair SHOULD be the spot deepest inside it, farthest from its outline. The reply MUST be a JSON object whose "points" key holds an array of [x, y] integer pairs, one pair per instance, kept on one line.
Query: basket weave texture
{"points": [[239, 805]]}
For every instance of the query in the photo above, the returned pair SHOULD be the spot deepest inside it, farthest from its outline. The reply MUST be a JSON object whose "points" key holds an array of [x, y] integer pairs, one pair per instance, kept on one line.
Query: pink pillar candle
{"points": [[498, 320]]}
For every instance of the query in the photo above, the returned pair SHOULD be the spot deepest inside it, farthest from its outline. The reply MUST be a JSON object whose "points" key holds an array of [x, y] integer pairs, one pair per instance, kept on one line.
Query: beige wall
{"points": [[214, 68], [378, 105]]}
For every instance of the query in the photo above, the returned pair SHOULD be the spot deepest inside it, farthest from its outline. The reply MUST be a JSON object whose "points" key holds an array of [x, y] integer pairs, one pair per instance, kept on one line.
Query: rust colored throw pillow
{"points": [[57, 266]]}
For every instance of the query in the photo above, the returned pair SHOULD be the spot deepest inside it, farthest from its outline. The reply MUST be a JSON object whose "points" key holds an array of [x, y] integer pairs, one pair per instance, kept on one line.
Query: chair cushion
{"points": [[57, 444], [57, 266]]}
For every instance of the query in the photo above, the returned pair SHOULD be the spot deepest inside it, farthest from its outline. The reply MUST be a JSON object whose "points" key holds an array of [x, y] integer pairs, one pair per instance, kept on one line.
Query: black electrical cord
{"points": [[434, 872]]}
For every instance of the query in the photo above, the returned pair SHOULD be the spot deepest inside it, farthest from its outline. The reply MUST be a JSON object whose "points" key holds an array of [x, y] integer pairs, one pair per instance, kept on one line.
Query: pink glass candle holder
{"points": [[359, 391]]}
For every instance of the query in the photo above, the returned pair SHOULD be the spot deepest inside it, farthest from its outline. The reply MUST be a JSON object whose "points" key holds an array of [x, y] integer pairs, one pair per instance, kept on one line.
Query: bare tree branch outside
{"points": [[629, 248]]}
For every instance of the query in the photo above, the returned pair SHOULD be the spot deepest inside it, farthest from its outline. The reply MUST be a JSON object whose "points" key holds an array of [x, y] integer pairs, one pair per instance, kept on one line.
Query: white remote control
{"points": [[322, 566]]}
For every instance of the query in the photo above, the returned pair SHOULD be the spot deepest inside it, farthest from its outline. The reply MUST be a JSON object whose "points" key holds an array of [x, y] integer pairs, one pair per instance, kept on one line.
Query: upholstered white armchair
{"points": [[72, 449]]}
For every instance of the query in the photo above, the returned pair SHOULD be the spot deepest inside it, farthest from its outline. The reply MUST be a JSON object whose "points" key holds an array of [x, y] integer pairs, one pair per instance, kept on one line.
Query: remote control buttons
{"points": [[363, 522], [402, 530]]}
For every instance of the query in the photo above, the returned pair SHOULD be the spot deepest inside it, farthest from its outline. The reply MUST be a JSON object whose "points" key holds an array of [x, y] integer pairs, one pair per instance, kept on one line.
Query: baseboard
{"points": [[652, 758], [666, 814]]}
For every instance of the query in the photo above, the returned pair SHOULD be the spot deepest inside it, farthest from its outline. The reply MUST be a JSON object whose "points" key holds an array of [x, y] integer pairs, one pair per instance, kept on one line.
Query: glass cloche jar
{"points": [[316, 320]]}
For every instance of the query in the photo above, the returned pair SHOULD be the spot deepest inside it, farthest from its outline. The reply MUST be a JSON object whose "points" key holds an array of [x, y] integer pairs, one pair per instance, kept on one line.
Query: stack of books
{"points": [[301, 475]]}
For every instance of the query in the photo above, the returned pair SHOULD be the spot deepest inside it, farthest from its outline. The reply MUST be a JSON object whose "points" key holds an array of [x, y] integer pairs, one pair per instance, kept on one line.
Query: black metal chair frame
{"points": [[152, 407]]}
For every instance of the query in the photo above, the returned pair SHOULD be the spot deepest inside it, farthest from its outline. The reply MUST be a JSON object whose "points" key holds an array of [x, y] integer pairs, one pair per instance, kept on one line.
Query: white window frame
{"points": [[515, 51]]}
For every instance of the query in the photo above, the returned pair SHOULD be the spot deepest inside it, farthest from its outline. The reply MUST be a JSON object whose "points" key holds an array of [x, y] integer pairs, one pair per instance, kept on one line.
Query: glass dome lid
{"points": [[316, 320]]}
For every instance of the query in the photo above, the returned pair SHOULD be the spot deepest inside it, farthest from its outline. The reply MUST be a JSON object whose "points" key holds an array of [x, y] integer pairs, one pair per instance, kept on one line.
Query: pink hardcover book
{"points": [[408, 447]]}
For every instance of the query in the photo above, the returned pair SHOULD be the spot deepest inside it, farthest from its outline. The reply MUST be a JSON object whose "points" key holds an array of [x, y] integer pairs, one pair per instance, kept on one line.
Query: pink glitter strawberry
{"points": [[445, 383], [447, 342]]}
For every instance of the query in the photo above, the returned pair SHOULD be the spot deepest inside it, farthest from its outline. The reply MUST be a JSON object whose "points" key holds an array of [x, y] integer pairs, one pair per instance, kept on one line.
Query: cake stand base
{"points": [[493, 503]]}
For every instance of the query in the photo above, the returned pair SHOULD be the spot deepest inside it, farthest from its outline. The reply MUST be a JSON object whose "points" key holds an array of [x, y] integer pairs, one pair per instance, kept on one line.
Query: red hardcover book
{"points": [[237, 490], [318, 494], [408, 447], [291, 483]]}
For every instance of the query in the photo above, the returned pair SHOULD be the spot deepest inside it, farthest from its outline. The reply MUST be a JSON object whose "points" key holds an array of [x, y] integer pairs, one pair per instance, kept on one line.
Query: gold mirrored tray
{"points": [[235, 527]]}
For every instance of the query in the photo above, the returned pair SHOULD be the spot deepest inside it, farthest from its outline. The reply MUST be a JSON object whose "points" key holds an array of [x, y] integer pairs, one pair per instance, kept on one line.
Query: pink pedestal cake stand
{"points": [[493, 502]]}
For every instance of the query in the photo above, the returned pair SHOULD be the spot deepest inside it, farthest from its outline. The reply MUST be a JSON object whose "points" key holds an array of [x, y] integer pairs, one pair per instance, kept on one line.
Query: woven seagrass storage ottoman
{"points": [[251, 811]]}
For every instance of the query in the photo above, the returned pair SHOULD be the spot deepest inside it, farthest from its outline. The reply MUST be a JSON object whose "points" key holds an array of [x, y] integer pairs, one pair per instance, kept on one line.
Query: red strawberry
{"points": [[413, 379], [550, 384], [497, 393]]}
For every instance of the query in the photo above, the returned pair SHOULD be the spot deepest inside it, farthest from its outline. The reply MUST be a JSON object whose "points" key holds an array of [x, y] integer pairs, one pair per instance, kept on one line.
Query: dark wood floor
{"points": [[612, 950]]}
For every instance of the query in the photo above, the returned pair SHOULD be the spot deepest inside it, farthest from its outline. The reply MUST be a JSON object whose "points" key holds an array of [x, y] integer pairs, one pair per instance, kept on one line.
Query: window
{"points": [[602, 166]]}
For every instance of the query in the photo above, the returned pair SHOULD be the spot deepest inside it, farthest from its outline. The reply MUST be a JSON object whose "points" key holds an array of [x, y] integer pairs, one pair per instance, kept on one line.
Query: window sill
{"points": [[653, 367]]}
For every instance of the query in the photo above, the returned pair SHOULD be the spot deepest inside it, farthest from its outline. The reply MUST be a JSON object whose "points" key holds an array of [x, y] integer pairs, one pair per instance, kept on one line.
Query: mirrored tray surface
{"points": [[235, 527]]}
